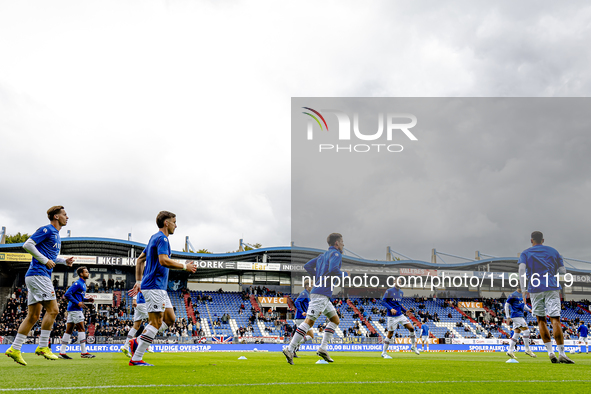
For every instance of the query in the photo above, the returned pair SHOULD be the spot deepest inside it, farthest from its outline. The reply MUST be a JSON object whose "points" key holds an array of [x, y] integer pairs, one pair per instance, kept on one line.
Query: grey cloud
{"points": [[111, 179], [483, 175]]}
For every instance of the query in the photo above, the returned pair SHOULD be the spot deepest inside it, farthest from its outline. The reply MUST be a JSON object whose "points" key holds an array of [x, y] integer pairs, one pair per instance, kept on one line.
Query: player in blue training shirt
{"points": [[140, 313], [583, 331], [322, 268], [395, 310], [539, 267], [425, 336], [515, 312], [76, 295], [301, 304], [152, 281], [45, 246]]}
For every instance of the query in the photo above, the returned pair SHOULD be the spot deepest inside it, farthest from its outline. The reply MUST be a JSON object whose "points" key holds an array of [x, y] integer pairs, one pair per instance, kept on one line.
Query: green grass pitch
{"points": [[264, 372]]}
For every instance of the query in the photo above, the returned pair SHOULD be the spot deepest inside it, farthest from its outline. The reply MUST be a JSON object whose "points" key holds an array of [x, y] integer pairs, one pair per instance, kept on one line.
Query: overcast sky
{"points": [[118, 110], [482, 175]]}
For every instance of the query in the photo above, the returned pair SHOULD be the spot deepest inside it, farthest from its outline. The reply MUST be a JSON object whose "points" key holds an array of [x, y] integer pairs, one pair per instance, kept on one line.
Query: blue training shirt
{"points": [[322, 268], [76, 294], [583, 331], [541, 260], [391, 300], [48, 243], [425, 332], [155, 275], [516, 305], [301, 304]]}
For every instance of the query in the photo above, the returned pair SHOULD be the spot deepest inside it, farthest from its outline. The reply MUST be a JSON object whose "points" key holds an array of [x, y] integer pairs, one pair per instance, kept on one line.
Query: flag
{"points": [[222, 339]]}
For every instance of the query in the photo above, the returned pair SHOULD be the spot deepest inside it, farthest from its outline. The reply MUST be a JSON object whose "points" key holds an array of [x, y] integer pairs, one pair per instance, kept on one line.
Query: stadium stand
{"points": [[232, 315], [237, 314]]}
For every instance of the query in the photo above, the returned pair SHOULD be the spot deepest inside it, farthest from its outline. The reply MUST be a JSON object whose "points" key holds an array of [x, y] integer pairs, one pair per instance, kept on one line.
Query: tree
{"points": [[17, 238], [246, 248], [203, 251], [256, 246]]}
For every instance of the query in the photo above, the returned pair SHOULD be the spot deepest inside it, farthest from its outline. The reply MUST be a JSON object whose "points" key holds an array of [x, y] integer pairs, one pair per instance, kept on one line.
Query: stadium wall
{"points": [[420, 293], [566, 297], [576, 297], [197, 286], [299, 288], [492, 294]]}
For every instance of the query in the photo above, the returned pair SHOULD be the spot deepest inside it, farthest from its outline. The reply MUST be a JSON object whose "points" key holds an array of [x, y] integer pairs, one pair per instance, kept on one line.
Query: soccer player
{"points": [[425, 336], [152, 281], [45, 246], [583, 331], [301, 304], [514, 311], [322, 268], [76, 294], [391, 300], [540, 265], [140, 313]]}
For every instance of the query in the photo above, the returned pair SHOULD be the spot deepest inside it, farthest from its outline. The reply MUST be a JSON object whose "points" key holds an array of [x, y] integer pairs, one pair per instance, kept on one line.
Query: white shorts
{"points": [[394, 321], [425, 339], [546, 303], [156, 300], [584, 340], [519, 322], [75, 317], [140, 312], [320, 304], [39, 288]]}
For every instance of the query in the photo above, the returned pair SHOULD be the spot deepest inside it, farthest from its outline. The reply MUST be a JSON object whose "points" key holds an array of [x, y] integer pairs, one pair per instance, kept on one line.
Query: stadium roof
{"points": [[108, 247]]}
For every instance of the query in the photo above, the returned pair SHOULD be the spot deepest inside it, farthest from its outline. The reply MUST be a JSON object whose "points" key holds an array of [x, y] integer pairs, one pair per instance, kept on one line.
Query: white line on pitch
{"points": [[287, 384]]}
